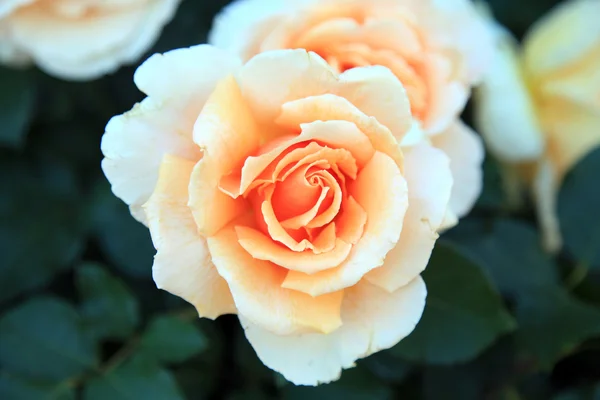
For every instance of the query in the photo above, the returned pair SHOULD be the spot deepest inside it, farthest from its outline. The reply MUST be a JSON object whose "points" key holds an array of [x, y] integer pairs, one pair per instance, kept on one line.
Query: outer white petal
{"points": [[373, 320], [242, 25], [182, 264], [81, 49], [429, 181], [135, 142], [504, 111], [466, 153]]}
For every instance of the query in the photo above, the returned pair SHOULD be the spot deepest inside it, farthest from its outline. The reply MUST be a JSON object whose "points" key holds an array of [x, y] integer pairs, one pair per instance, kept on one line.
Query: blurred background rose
{"points": [[80, 316], [80, 39], [540, 103]]}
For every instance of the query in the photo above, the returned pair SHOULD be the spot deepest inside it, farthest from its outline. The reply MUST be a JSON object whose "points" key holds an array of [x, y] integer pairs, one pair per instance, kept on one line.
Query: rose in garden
{"points": [[80, 39], [539, 105], [438, 50], [278, 190]]}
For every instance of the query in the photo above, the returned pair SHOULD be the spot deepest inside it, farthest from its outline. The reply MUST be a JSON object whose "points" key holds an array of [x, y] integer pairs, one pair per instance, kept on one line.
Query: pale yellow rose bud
{"points": [[562, 60], [551, 86]]}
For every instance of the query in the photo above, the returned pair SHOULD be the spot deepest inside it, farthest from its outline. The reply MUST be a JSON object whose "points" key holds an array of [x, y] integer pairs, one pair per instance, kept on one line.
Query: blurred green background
{"points": [[80, 316]]}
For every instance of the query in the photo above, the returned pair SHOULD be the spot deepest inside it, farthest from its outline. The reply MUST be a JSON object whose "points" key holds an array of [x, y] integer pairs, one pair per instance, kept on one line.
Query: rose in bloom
{"points": [[540, 103], [438, 50], [277, 190], [80, 39]]}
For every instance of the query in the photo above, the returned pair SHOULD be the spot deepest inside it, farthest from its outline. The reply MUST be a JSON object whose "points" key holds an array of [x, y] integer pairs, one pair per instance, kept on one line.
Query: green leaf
{"points": [[354, 384], [138, 378], [173, 340], [552, 323], [387, 367], [197, 383], [577, 210], [44, 339], [12, 387], [40, 224], [476, 380], [509, 252], [17, 100], [108, 307], [464, 314], [124, 241]]}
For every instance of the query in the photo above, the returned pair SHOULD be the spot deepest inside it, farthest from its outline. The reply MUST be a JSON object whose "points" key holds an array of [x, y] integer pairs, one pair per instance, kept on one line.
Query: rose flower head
{"points": [[437, 49], [277, 190], [539, 106], [80, 39]]}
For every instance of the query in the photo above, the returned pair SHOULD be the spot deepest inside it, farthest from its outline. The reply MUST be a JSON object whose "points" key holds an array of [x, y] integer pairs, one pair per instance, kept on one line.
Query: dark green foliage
{"points": [[81, 318], [172, 340], [44, 339], [139, 377], [17, 99], [579, 218], [462, 308]]}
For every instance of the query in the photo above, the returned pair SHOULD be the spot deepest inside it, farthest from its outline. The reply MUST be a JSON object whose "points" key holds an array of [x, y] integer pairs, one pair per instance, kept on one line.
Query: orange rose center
{"points": [[301, 206], [300, 194]]}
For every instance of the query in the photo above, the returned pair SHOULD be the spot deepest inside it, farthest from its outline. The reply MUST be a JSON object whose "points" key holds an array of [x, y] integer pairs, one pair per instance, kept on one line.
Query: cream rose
{"points": [[540, 103], [438, 50], [277, 190], [80, 39]]}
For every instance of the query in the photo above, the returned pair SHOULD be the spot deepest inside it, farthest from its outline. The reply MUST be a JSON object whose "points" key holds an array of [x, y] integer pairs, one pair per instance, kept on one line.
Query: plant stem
{"points": [[577, 276]]}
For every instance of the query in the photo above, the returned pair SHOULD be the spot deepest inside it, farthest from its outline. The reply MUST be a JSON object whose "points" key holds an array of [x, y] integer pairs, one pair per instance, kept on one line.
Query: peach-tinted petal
{"points": [[336, 134], [326, 240], [351, 221], [275, 228], [466, 153], [257, 292], [329, 31], [276, 77], [262, 247], [182, 264], [378, 93], [227, 134], [389, 33], [315, 153], [331, 107], [380, 189], [456, 27], [327, 215], [134, 144], [373, 320], [301, 220], [429, 186], [447, 96]]}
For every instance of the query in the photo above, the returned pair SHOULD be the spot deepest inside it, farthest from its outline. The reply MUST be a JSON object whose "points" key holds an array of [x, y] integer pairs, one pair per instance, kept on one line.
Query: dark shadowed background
{"points": [[80, 316]]}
